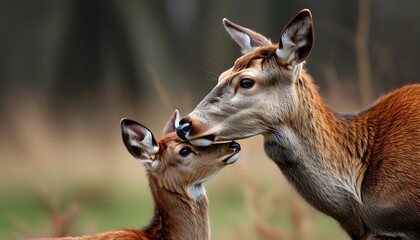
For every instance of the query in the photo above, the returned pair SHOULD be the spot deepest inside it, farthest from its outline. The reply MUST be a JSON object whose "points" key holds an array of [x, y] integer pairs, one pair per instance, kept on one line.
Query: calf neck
{"points": [[176, 171]]}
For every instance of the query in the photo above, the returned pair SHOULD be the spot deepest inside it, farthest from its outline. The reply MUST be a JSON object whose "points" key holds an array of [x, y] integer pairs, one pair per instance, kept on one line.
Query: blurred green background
{"points": [[71, 69]]}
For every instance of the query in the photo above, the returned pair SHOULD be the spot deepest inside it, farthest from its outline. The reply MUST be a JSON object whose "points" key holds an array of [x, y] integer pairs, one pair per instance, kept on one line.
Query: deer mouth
{"points": [[236, 147], [232, 159], [187, 133], [203, 141]]}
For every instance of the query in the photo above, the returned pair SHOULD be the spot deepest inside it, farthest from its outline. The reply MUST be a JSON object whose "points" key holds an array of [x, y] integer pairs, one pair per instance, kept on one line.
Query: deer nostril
{"points": [[183, 129], [184, 120], [235, 146]]}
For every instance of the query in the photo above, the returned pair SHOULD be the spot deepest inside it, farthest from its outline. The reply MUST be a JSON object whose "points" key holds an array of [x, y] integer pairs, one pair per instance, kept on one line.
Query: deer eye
{"points": [[246, 83], [185, 151]]}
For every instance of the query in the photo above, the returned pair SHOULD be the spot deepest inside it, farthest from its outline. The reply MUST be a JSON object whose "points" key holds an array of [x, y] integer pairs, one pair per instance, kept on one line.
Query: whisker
{"points": [[212, 70]]}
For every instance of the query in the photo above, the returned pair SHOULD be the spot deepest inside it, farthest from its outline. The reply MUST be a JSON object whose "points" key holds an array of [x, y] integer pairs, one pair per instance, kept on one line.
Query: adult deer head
{"points": [[258, 93]]}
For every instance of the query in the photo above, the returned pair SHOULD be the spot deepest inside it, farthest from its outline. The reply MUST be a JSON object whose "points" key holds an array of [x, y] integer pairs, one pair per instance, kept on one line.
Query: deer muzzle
{"points": [[183, 130], [190, 129]]}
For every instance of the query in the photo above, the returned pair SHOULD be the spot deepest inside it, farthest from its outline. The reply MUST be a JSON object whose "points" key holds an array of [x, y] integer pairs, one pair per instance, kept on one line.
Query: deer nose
{"points": [[184, 128], [235, 146]]}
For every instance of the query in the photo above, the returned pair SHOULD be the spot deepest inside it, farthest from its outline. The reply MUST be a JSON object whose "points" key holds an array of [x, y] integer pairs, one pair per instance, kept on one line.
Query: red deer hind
{"points": [[176, 171], [362, 169]]}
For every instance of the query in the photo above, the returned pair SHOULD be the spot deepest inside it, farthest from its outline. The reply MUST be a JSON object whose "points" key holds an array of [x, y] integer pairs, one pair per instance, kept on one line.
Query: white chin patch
{"points": [[201, 142], [232, 159], [197, 190]]}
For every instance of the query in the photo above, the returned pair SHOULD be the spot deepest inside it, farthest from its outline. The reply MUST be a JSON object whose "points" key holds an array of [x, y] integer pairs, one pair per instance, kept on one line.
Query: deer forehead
{"points": [[225, 75], [168, 143], [254, 62], [229, 75]]}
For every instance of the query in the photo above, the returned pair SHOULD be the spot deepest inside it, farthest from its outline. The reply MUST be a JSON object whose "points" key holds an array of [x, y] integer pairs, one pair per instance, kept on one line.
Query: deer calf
{"points": [[176, 171], [362, 169]]}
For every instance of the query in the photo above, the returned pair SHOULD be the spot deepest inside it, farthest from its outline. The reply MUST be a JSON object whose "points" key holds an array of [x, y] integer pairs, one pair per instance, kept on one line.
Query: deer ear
{"points": [[172, 123], [296, 39], [140, 142], [247, 39]]}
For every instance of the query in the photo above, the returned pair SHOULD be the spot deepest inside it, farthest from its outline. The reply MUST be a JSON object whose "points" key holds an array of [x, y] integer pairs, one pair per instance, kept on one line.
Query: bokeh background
{"points": [[71, 69]]}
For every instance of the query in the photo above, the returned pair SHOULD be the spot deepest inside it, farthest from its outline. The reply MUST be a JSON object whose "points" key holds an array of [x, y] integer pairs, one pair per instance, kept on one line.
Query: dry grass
{"points": [[76, 165], [81, 163]]}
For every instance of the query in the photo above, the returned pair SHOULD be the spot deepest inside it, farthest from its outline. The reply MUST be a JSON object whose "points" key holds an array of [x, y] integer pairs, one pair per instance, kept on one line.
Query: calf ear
{"points": [[172, 123], [296, 39], [247, 39], [140, 142]]}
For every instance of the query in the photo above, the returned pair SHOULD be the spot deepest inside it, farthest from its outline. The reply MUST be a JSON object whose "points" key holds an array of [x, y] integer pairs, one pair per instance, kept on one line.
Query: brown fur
{"points": [[380, 145], [179, 212], [361, 169]]}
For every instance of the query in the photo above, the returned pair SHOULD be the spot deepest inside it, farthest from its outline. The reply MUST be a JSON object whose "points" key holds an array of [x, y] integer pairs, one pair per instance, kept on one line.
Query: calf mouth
{"points": [[232, 159], [236, 147]]}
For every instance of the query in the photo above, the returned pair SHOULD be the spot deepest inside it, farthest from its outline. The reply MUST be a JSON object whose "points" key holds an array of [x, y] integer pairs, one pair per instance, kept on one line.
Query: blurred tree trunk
{"points": [[362, 52]]}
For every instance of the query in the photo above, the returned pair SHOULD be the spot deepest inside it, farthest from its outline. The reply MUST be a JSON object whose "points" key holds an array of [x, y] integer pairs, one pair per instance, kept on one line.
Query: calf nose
{"points": [[235, 146], [184, 128]]}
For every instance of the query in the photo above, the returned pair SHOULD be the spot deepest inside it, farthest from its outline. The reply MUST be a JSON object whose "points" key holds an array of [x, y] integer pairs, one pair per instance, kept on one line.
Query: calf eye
{"points": [[246, 83], [185, 151]]}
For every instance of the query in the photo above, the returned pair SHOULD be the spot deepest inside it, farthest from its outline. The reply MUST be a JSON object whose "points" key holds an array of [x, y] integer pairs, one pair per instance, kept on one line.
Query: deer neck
{"points": [[321, 153], [177, 215]]}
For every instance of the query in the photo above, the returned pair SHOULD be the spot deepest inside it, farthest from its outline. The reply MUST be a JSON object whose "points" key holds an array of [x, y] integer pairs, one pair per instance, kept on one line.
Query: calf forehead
{"points": [[169, 139]]}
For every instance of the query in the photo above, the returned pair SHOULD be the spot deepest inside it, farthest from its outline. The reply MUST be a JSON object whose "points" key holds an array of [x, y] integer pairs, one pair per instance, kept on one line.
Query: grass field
{"points": [[76, 178], [82, 184]]}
